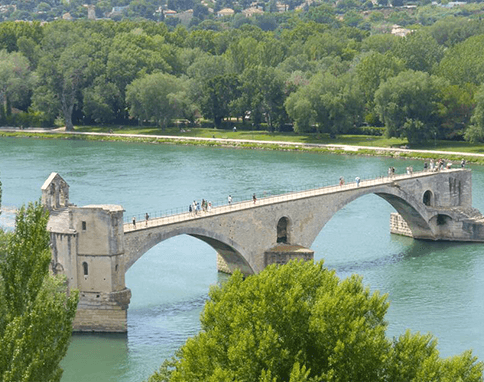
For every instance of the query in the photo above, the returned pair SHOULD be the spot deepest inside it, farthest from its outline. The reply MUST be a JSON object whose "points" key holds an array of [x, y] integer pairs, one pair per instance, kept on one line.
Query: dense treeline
{"points": [[50, 10], [314, 74]]}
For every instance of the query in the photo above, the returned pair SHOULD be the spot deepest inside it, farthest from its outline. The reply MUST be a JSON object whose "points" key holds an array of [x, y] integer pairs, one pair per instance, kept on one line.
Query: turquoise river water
{"points": [[433, 287]]}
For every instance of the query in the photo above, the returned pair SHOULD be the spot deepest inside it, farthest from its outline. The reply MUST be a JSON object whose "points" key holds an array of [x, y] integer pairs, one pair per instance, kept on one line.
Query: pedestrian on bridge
{"points": [[147, 217], [134, 222], [341, 180], [254, 198], [230, 199], [357, 179]]}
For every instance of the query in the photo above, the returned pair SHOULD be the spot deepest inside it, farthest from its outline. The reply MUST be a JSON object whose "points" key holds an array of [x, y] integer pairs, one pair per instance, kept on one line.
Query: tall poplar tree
{"points": [[36, 310]]}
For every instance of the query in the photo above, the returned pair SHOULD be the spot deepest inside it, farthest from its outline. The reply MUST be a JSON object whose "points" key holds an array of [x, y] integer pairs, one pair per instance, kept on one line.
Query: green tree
{"points": [[464, 62], [262, 93], [36, 311], [102, 101], [65, 76], [11, 31], [419, 50], [241, 54], [153, 97], [373, 69], [300, 323], [380, 43], [16, 80], [67, 65], [323, 14], [475, 132], [408, 105], [326, 44], [218, 95], [332, 104], [455, 110], [452, 30]]}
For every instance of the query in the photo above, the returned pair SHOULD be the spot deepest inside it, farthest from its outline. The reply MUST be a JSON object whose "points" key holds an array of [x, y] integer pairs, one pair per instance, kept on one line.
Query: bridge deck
{"points": [[228, 208]]}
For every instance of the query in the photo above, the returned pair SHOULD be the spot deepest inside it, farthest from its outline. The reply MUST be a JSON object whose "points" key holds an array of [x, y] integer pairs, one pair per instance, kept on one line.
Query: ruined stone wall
{"points": [[399, 226], [222, 265]]}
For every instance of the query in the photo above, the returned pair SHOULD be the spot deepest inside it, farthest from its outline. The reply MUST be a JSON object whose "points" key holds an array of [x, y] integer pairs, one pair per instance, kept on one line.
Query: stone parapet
{"points": [[399, 226]]}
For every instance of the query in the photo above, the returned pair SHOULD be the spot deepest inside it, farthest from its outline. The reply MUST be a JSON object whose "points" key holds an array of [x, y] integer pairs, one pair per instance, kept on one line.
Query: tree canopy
{"points": [[301, 323], [318, 70], [36, 311]]}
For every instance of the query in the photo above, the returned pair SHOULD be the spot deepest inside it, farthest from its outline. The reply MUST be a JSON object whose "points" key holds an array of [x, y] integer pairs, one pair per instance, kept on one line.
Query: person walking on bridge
{"points": [[357, 179], [254, 198], [134, 222], [230, 199], [147, 217]]}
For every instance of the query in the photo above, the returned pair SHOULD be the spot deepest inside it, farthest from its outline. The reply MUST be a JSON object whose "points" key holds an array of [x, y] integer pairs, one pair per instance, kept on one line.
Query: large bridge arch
{"points": [[138, 244], [409, 206]]}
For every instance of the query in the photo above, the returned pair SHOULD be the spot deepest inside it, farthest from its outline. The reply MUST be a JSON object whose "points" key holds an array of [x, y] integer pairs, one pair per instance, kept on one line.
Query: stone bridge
{"points": [[94, 249]]}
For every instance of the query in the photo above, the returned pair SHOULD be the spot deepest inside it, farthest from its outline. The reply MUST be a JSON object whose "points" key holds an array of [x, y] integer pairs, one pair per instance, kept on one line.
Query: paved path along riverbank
{"points": [[349, 148]]}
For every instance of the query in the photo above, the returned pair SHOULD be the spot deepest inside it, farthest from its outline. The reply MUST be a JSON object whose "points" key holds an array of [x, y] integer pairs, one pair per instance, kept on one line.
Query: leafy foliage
{"points": [[314, 69], [408, 105], [36, 313], [476, 131], [300, 323]]}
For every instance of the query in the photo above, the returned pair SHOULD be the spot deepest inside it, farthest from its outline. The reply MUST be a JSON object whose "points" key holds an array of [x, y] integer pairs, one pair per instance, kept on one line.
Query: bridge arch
{"points": [[412, 210], [230, 250]]}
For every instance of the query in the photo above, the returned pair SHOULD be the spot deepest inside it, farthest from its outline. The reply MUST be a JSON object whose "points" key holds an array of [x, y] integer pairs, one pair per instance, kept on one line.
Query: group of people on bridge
{"points": [[198, 207], [205, 206], [342, 181], [441, 165]]}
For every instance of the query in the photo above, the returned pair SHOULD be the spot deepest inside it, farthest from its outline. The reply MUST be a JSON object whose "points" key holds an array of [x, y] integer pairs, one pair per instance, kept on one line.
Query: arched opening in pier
{"points": [[428, 198], [282, 230], [443, 219]]}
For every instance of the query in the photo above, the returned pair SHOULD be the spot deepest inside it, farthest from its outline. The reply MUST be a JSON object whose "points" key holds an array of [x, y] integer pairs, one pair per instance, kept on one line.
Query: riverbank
{"points": [[401, 152]]}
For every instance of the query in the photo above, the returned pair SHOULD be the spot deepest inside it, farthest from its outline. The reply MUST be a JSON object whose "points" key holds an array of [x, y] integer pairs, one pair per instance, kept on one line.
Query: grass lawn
{"points": [[261, 135]]}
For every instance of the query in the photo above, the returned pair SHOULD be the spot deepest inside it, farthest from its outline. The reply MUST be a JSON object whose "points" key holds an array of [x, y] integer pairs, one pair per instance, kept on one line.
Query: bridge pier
{"points": [[280, 254], [454, 225], [88, 248], [103, 312]]}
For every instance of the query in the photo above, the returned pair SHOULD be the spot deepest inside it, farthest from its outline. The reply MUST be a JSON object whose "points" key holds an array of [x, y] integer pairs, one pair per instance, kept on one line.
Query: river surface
{"points": [[432, 287]]}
